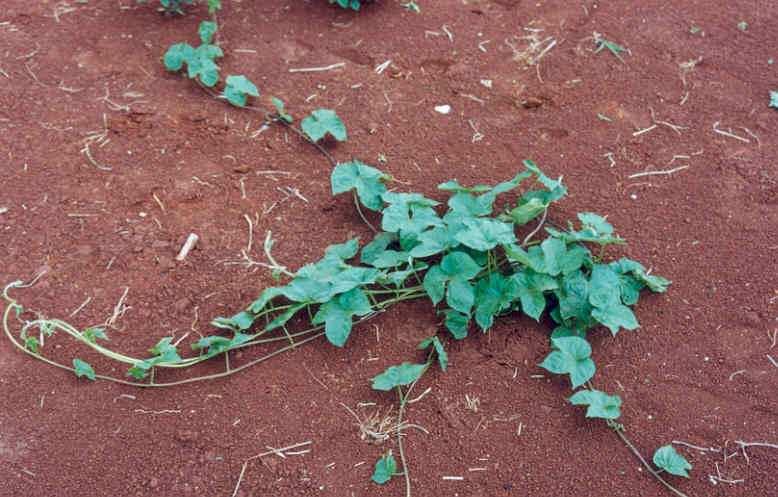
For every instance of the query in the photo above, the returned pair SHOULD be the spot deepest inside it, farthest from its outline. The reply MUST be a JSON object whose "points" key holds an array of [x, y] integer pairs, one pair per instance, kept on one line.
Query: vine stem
{"points": [[400, 413], [400, 448], [359, 211], [648, 467]]}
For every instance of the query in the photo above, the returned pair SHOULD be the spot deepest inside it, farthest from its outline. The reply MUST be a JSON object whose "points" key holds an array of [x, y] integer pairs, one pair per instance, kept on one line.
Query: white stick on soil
{"points": [[191, 240]]}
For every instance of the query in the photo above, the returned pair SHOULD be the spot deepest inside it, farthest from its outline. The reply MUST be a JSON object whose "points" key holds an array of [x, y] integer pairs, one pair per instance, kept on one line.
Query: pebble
{"points": [[443, 109], [242, 168], [182, 304]]}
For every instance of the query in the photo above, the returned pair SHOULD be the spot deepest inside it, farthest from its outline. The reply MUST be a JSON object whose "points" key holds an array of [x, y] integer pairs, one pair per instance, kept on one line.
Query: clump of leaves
{"points": [[201, 61], [773, 99], [177, 6], [349, 4], [470, 265]]}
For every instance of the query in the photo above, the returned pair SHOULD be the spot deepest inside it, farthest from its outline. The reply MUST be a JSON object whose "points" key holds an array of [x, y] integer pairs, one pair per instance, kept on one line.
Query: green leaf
{"points": [[385, 468], [668, 459], [450, 278], [440, 352], [638, 271], [554, 251], [408, 215], [615, 317], [390, 259], [395, 376], [461, 265], [281, 319], [177, 55], [204, 68], [281, 109], [528, 209], [465, 202], [32, 344], [604, 286], [322, 122], [343, 251], [209, 52], [600, 404], [238, 89], [140, 370], [83, 369], [433, 242], [337, 315], [573, 296], [460, 295], [165, 351], [493, 294], [612, 47], [563, 331], [240, 321], [773, 99], [376, 247], [533, 302], [94, 333], [596, 223], [206, 31], [213, 6], [216, 344], [456, 323], [571, 356], [264, 298], [485, 234], [366, 180]]}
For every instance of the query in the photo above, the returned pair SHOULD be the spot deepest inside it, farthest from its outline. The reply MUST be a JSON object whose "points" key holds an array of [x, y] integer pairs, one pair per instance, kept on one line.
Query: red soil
{"points": [[696, 371]]}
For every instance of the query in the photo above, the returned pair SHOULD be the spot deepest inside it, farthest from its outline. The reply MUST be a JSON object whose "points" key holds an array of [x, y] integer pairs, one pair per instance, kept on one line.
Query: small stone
{"points": [[242, 168], [182, 304], [443, 109], [166, 263], [752, 319], [85, 250], [531, 103], [186, 436]]}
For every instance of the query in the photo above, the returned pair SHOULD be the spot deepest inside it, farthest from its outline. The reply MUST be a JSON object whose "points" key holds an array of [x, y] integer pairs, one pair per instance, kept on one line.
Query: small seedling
{"points": [[742, 26], [385, 468], [200, 61], [599, 404], [323, 122], [348, 4], [612, 47], [238, 89], [412, 6], [281, 110], [773, 99], [83, 369], [668, 459]]}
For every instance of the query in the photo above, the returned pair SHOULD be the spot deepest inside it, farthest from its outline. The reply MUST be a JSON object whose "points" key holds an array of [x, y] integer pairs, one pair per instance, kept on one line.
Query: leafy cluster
{"points": [[468, 261], [177, 6], [349, 4], [201, 65]]}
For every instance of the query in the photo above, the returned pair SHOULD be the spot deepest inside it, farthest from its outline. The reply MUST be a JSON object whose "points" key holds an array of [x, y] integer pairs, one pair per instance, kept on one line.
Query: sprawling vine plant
{"points": [[464, 255]]}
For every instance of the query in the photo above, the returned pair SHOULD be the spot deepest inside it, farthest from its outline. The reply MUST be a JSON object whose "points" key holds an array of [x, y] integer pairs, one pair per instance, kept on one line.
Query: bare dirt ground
{"points": [[699, 370]]}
